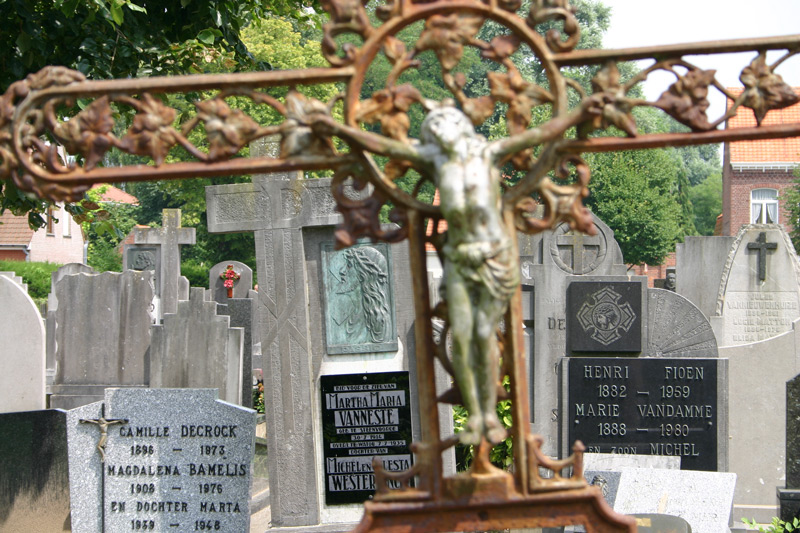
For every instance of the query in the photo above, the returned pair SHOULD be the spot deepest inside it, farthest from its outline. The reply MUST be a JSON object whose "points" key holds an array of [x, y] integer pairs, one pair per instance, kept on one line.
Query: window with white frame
{"points": [[764, 206]]}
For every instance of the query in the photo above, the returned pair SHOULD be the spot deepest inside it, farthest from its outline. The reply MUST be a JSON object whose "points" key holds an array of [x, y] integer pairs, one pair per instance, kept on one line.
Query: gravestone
{"points": [[789, 496], [759, 294], [548, 262], [33, 471], [102, 336], [168, 239], [649, 406], [196, 348], [676, 327], [241, 287], [699, 265], [704, 499], [670, 398], [243, 312], [16, 279], [160, 460], [22, 351], [50, 318], [67, 270], [293, 220]]}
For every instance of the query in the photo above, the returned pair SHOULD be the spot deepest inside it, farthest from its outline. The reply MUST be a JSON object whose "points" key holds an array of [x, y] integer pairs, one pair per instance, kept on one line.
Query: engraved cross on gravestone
{"points": [[577, 253], [169, 237], [761, 246]]}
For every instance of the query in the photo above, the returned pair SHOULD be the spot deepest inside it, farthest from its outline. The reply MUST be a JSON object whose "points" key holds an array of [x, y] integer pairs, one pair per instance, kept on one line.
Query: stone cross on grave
{"points": [[761, 246], [170, 236], [276, 207]]}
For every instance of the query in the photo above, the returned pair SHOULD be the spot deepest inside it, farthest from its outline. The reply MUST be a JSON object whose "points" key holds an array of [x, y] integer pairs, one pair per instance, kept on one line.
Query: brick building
{"points": [[60, 241], [755, 173]]}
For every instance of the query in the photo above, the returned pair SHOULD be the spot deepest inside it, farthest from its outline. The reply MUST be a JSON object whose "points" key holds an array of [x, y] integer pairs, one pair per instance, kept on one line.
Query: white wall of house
{"points": [[59, 242]]}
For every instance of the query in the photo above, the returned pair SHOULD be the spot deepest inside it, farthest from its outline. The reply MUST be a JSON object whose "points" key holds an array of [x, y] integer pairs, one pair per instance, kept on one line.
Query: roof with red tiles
{"points": [[769, 150], [14, 230], [113, 194]]}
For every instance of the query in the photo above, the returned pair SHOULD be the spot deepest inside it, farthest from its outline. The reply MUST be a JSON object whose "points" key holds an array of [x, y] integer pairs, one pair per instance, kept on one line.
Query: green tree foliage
{"points": [[706, 199], [104, 228], [632, 193], [35, 274], [124, 38], [273, 40]]}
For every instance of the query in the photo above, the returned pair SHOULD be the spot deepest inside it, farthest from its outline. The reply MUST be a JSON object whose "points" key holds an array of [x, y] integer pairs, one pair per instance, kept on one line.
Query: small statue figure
{"points": [[671, 280]]}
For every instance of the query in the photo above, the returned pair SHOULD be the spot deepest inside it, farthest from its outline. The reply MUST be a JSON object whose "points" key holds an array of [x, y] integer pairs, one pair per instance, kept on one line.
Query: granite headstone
{"points": [[34, 481], [67, 270], [650, 406], [16, 279], [548, 262], [22, 351], [704, 499], [699, 265], [160, 460], [50, 318], [789, 496], [243, 312]]}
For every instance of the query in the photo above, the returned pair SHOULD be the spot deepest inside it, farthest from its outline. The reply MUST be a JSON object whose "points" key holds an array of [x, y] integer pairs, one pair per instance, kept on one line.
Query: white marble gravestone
{"points": [[704, 499], [759, 294], [22, 353]]}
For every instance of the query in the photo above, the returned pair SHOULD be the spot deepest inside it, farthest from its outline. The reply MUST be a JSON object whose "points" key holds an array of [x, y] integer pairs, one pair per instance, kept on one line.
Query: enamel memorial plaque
{"points": [[646, 406], [363, 416]]}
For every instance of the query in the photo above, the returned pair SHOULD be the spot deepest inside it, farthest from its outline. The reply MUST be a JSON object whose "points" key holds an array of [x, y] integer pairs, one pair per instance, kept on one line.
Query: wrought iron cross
{"points": [[551, 119]]}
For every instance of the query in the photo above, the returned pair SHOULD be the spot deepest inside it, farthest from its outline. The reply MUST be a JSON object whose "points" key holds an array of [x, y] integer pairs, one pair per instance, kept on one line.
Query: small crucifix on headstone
{"points": [[761, 245], [103, 424]]}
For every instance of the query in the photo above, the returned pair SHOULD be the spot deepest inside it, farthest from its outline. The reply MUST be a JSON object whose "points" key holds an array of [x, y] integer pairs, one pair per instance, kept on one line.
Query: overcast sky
{"points": [[649, 22]]}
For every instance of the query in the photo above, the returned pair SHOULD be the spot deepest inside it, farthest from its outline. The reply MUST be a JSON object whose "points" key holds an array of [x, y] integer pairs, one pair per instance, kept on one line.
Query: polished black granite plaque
{"points": [[604, 316], [363, 416], [646, 406]]}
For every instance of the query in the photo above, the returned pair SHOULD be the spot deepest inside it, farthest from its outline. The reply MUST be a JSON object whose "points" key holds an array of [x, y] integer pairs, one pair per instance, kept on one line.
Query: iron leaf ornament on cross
{"points": [[550, 119]]}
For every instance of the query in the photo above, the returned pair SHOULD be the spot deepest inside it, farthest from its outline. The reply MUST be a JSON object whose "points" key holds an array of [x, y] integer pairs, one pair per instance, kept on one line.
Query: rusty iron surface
{"points": [[39, 124]]}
